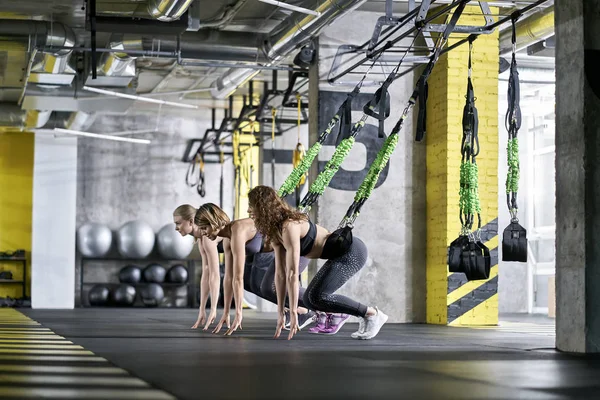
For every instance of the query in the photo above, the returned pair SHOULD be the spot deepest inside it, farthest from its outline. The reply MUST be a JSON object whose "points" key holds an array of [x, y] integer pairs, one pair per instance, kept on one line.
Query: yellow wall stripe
{"points": [[469, 287], [476, 316]]}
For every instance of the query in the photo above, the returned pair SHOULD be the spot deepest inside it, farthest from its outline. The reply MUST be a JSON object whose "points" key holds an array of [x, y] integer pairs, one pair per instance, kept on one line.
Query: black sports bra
{"points": [[308, 241]]}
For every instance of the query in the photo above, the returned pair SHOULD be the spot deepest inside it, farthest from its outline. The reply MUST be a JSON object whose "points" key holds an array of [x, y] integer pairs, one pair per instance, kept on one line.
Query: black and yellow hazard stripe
{"points": [[476, 302], [36, 362]]}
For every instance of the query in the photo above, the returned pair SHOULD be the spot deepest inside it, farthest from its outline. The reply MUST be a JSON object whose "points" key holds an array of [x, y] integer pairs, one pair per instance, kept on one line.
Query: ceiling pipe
{"points": [[168, 10], [536, 27], [207, 44], [295, 31]]}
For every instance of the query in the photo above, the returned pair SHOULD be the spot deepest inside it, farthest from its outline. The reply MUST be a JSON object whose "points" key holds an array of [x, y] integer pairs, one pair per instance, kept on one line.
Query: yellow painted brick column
{"points": [[450, 298]]}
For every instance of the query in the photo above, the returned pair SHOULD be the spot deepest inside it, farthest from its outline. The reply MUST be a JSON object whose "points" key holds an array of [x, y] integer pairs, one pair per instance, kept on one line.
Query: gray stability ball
{"points": [[94, 239], [172, 245], [135, 239]]}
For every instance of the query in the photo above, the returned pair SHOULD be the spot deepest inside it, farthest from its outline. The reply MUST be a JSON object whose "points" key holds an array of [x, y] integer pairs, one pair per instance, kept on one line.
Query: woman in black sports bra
{"points": [[292, 235], [241, 243]]}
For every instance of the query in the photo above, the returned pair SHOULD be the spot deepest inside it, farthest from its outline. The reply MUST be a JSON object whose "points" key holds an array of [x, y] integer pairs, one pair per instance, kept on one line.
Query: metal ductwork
{"points": [[536, 27], [12, 116], [291, 35], [168, 10], [51, 67], [206, 44], [114, 69]]}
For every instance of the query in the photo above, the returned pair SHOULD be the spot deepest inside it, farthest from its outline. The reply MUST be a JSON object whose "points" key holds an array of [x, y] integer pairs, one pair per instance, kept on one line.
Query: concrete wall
{"points": [[392, 222], [53, 222], [119, 182]]}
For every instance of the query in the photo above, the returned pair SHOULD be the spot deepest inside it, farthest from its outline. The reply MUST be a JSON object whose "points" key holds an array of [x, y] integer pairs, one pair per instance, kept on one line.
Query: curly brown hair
{"points": [[271, 211]]}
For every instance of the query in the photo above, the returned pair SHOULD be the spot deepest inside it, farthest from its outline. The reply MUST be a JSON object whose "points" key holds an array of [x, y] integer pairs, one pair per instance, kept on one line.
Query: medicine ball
{"points": [[98, 295], [123, 295], [154, 273], [94, 239], [152, 294], [130, 274], [135, 239], [177, 274]]}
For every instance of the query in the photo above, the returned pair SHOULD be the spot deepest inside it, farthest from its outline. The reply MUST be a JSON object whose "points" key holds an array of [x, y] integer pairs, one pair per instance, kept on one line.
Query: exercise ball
{"points": [[154, 273], [98, 295], [123, 295], [152, 294], [177, 274], [172, 245], [130, 274], [135, 239], [94, 239]]}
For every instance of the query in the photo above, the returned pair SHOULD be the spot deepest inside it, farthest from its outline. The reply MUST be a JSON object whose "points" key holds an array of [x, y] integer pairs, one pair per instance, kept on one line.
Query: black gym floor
{"points": [[406, 361]]}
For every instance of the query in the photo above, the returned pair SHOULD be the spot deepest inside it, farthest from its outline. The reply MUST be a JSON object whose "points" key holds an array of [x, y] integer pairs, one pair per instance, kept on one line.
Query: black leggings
{"points": [[319, 294], [267, 286]]}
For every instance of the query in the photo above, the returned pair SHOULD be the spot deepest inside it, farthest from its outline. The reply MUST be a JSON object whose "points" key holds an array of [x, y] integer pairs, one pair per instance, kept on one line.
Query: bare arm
{"points": [[280, 282], [214, 278], [238, 256], [204, 279], [291, 242], [227, 279]]}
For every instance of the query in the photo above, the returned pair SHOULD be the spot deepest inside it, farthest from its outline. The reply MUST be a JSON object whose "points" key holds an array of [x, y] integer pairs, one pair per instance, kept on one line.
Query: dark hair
{"points": [[270, 212]]}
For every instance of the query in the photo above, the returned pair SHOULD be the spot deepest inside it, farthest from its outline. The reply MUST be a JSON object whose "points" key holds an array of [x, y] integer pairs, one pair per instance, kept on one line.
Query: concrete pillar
{"points": [[577, 175], [53, 222], [450, 298]]}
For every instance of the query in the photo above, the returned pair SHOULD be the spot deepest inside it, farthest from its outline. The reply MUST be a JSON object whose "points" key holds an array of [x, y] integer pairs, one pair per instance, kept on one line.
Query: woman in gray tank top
{"points": [[241, 241]]}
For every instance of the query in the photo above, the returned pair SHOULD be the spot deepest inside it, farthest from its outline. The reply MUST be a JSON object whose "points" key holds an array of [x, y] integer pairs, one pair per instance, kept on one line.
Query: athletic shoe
{"points": [[361, 328], [373, 325], [336, 321], [305, 320], [322, 323]]}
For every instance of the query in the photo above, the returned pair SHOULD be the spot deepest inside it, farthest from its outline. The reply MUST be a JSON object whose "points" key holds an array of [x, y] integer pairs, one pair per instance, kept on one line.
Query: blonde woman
{"points": [[210, 281], [241, 242]]}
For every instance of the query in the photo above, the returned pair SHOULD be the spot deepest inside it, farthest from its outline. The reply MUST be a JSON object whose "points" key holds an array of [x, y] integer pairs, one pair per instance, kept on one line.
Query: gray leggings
{"points": [[267, 286], [319, 294]]}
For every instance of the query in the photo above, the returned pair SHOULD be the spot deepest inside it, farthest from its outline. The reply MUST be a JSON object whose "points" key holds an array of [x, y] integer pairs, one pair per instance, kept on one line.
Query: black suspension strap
{"points": [[468, 254], [368, 184], [341, 239], [193, 179], [514, 238]]}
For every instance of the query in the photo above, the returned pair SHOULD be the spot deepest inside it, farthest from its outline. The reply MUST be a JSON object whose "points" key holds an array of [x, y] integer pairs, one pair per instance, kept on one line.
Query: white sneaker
{"points": [[361, 328], [373, 325]]}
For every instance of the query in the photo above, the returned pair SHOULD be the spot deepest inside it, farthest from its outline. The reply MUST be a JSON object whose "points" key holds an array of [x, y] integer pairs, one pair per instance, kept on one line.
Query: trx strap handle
{"points": [[514, 237], [381, 103], [370, 181], [468, 254], [422, 117], [345, 145], [346, 131], [197, 162]]}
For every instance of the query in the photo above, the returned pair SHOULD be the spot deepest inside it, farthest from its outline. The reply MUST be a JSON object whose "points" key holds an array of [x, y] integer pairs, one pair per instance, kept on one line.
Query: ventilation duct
{"points": [[208, 44], [294, 32], [114, 69], [168, 10], [12, 116], [50, 67], [536, 27]]}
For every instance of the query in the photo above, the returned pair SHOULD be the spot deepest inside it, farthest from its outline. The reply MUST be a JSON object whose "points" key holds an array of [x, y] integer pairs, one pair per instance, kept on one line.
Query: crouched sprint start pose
{"points": [[293, 235]]}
